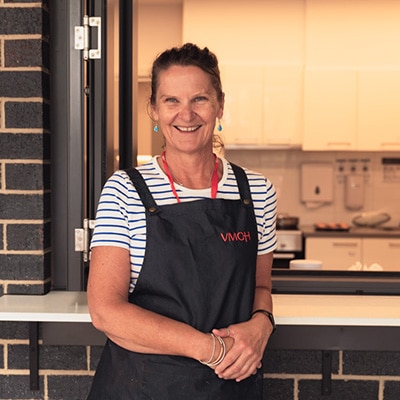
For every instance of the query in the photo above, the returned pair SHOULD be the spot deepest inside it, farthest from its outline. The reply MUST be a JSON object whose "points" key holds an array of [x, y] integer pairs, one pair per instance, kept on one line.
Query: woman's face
{"points": [[186, 108]]}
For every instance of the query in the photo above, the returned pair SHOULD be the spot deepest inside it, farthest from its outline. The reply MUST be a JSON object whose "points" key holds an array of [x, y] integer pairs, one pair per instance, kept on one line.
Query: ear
{"points": [[221, 107], [153, 113]]}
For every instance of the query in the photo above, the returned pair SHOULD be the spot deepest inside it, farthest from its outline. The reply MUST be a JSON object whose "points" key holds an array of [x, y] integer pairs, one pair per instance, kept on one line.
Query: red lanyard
{"points": [[214, 179]]}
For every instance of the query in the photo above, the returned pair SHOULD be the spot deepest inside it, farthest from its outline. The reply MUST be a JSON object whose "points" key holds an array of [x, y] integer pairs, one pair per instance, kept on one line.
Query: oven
{"points": [[290, 246]]}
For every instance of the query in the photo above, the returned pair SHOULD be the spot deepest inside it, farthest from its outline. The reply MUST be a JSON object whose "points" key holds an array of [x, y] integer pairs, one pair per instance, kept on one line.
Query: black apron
{"points": [[199, 268]]}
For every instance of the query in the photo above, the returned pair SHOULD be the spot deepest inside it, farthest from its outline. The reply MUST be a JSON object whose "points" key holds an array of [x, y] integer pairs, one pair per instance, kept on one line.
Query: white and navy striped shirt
{"points": [[121, 219]]}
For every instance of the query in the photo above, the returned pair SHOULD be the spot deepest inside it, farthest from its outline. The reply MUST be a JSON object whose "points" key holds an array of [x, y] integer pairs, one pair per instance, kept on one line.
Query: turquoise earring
{"points": [[219, 126], [155, 129]]}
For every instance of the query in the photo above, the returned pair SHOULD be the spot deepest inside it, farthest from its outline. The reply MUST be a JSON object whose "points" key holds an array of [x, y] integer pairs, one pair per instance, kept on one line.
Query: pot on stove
{"points": [[286, 221]]}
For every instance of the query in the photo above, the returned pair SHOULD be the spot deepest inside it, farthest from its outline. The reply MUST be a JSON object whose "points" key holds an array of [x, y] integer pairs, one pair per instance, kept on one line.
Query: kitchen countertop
{"points": [[311, 310], [55, 306], [309, 231]]}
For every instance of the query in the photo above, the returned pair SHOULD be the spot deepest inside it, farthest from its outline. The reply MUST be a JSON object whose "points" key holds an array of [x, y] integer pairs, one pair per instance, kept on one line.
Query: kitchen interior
{"points": [[312, 96]]}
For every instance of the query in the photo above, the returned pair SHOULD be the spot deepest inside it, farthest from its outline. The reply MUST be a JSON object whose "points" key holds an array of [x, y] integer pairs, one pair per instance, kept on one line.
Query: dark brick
{"points": [[25, 206], [24, 83], [23, 21], [14, 330], [2, 366], [25, 146], [26, 53], [2, 244], [392, 390], [63, 357], [95, 354], [296, 362], [1, 290], [69, 387], [50, 357], [18, 356], [22, 114], [17, 387], [371, 363], [341, 390], [27, 176], [29, 289], [44, 2], [28, 236], [276, 389], [24, 267]]}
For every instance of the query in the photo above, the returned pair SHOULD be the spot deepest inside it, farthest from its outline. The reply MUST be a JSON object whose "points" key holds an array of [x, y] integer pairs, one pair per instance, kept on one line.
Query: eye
{"points": [[200, 99], [171, 100]]}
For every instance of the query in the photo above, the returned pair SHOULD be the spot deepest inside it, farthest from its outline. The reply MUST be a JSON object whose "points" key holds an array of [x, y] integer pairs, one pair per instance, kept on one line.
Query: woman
{"points": [[182, 255]]}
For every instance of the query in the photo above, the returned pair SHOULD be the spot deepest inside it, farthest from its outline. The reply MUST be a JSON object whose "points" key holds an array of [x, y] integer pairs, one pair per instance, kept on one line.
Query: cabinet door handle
{"points": [[339, 144], [338, 244]]}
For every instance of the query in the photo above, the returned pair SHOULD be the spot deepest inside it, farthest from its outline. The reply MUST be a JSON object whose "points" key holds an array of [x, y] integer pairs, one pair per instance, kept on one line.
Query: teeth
{"points": [[188, 128]]}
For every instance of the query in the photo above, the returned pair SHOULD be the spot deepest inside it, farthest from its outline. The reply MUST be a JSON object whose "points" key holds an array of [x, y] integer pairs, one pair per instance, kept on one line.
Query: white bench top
{"points": [[55, 306], [290, 309]]}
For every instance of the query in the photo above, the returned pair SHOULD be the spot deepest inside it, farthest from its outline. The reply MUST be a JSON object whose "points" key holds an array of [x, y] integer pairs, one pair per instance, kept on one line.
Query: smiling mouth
{"points": [[187, 128]]}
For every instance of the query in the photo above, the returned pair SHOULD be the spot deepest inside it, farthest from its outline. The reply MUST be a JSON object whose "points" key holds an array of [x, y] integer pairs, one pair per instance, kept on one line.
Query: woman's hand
{"points": [[244, 356]]}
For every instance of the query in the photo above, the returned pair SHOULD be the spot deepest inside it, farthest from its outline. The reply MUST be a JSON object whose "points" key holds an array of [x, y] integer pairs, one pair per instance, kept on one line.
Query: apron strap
{"points": [[243, 185], [143, 191], [153, 208]]}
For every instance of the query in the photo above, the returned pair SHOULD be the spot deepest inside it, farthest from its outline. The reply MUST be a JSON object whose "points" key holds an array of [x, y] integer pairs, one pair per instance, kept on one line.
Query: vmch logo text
{"points": [[236, 236]]}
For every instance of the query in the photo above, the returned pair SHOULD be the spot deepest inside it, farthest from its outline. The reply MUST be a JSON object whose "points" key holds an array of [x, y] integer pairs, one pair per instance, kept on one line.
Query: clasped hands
{"points": [[245, 344]]}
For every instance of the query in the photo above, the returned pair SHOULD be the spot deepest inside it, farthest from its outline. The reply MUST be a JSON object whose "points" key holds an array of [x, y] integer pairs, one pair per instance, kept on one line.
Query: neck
{"points": [[193, 173]]}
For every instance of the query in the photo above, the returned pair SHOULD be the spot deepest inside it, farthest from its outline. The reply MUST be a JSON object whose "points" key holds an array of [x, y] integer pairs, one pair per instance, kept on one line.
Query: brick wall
{"points": [[24, 148], [25, 218], [356, 375], [25, 209]]}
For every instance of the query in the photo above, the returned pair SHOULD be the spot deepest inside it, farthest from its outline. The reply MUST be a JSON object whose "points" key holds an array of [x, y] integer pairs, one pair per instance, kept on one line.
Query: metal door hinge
{"points": [[82, 238], [82, 37]]}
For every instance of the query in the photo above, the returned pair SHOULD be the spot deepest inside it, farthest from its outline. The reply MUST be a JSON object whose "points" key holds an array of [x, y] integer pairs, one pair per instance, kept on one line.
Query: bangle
{"points": [[221, 355], [269, 315], [213, 351]]}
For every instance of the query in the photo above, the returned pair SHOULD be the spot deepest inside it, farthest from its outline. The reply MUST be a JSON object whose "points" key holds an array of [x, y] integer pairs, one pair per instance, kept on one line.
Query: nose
{"points": [[187, 112]]}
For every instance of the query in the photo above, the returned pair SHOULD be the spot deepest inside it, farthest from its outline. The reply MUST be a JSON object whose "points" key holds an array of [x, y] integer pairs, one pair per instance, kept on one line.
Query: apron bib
{"points": [[199, 268]]}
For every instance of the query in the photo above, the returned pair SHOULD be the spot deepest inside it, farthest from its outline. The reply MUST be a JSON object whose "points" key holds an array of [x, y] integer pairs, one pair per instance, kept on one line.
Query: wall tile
{"points": [[23, 21], [24, 83], [28, 236], [68, 387], [17, 387], [14, 330], [25, 206], [371, 363], [392, 390], [29, 289], [341, 390], [24, 267], [21, 114], [27, 176], [26, 146], [278, 389], [26, 53]]}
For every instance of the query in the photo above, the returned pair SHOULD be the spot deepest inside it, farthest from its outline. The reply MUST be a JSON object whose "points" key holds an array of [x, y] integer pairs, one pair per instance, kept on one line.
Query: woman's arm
{"points": [[251, 337], [129, 325]]}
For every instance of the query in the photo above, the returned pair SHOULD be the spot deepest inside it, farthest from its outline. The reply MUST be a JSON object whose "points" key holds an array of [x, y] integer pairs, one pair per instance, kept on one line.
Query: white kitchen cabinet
{"points": [[243, 112], [383, 251], [335, 253], [330, 105], [338, 253], [282, 106], [262, 105], [379, 110]]}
